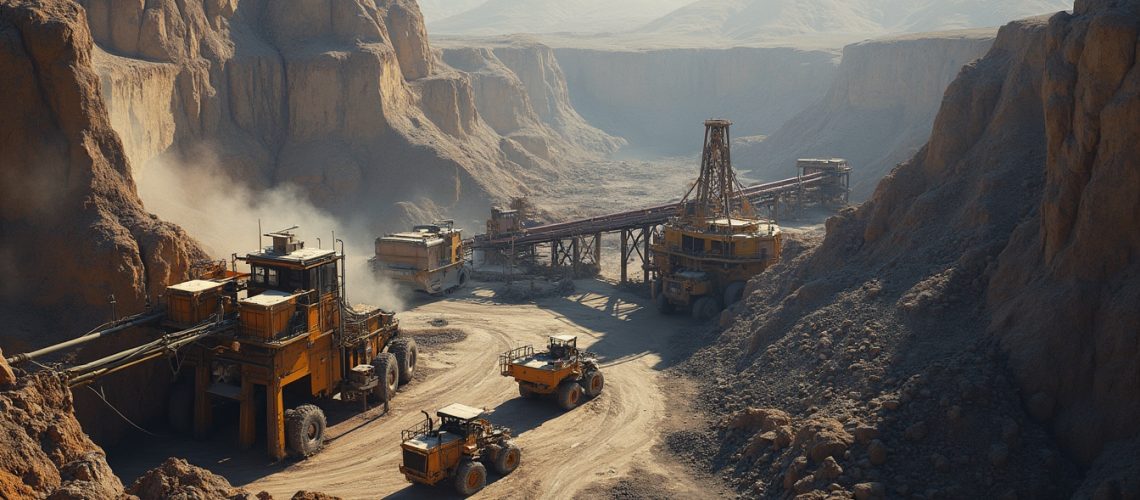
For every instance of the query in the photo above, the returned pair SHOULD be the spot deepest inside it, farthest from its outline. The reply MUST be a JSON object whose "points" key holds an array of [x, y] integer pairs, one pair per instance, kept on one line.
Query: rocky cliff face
{"points": [[878, 111], [972, 313], [521, 92], [1065, 290], [339, 97], [75, 233], [656, 99]]}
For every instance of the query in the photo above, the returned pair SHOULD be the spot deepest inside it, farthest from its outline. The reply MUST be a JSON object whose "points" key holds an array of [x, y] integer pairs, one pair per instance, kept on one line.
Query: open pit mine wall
{"points": [[521, 93], [74, 231], [877, 113], [658, 99], [1027, 195], [340, 97]]}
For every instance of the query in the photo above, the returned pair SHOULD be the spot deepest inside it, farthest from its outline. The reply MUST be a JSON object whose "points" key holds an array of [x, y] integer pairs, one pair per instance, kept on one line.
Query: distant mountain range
{"points": [[495, 17], [834, 22], [762, 20]]}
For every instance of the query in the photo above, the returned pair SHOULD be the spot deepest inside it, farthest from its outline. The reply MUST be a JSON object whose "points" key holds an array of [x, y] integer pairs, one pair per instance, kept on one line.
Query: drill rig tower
{"points": [[716, 242]]}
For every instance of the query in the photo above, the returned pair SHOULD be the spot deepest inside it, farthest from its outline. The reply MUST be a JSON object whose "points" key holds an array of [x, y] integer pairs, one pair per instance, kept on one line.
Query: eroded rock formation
{"points": [[339, 97], [878, 112]]}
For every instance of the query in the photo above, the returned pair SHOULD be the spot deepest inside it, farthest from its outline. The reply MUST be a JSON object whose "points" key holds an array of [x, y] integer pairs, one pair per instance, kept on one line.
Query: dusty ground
{"points": [[608, 445]]}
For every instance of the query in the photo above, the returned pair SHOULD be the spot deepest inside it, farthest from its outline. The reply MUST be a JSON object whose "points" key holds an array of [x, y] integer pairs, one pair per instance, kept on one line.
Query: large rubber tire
{"points": [[509, 458], [733, 293], [470, 478], [705, 308], [304, 430], [663, 304], [388, 369], [404, 348], [180, 408], [592, 383], [569, 394], [526, 393]]}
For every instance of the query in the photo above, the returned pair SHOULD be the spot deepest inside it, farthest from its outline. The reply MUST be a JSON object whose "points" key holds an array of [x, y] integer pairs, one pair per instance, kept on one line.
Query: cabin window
{"points": [[258, 275], [295, 279], [271, 277], [328, 278], [691, 244]]}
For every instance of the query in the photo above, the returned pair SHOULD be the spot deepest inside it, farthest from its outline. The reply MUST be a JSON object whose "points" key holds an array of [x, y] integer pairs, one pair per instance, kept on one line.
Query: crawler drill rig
{"points": [[716, 242], [245, 337]]}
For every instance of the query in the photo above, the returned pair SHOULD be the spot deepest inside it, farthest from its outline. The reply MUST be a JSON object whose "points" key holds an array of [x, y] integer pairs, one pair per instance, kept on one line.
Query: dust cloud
{"points": [[228, 217]]}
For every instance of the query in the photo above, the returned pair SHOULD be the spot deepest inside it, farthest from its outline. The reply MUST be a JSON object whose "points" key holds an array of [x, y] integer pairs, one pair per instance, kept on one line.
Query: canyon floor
{"points": [[610, 442], [612, 445]]}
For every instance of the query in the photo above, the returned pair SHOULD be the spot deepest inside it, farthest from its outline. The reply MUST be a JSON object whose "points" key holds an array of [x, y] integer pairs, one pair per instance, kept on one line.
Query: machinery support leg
{"points": [[202, 413], [275, 420], [598, 250], [247, 417], [577, 256], [624, 255], [554, 253], [645, 232]]}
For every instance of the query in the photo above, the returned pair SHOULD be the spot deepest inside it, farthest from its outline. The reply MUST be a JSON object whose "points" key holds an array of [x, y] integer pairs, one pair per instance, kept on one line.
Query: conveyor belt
{"points": [[757, 195]]}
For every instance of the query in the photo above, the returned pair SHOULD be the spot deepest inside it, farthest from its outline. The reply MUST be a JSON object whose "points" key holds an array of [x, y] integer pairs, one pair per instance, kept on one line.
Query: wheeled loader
{"points": [[461, 448], [565, 371]]}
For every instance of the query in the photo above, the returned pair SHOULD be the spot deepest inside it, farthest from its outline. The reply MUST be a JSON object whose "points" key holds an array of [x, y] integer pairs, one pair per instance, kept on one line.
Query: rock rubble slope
{"points": [[969, 331]]}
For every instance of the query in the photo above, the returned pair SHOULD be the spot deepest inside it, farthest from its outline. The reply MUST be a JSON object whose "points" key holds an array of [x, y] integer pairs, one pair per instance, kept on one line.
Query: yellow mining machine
{"points": [[570, 374], [281, 332], [716, 242], [430, 258], [461, 448]]}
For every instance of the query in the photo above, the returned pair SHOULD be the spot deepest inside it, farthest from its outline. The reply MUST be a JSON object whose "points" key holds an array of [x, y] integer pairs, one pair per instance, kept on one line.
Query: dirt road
{"points": [[563, 452]]}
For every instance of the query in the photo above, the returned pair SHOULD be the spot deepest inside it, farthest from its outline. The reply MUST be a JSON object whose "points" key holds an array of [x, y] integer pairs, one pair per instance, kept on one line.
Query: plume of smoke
{"points": [[225, 215]]}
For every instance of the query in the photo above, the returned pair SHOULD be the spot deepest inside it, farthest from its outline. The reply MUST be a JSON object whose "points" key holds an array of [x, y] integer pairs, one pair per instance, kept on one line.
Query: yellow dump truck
{"points": [[565, 371], [430, 258]]}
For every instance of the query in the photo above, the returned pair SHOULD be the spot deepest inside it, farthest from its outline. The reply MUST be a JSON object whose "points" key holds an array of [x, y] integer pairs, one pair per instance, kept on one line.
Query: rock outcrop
{"points": [[75, 235], [521, 92], [1065, 291], [43, 450], [656, 99], [977, 314], [338, 97], [878, 112]]}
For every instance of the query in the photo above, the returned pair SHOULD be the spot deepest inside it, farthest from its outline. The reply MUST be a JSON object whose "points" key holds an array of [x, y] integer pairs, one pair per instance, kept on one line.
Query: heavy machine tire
{"points": [[407, 354], [569, 394], [705, 308], [388, 369], [462, 278], [180, 408], [304, 430], [663, 304], [592, 383], [733, 293], [526, 393], [470, 478], [509, 458]]}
